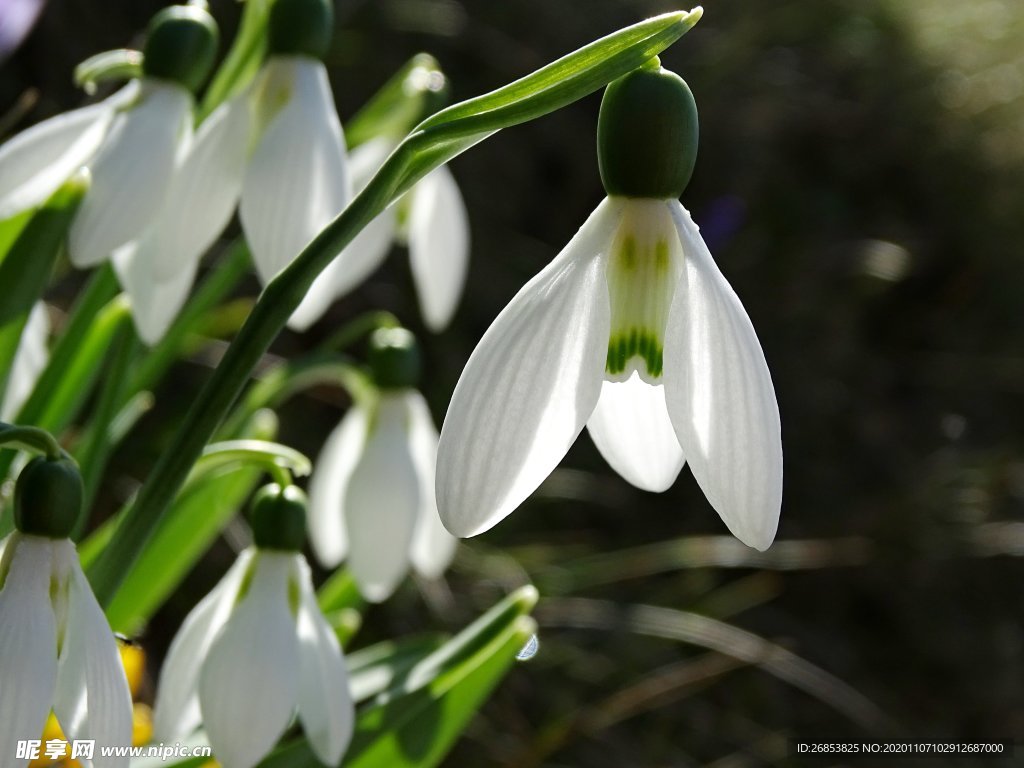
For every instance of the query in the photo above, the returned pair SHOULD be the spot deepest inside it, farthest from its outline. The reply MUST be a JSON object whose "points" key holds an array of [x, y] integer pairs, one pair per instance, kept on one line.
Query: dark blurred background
{"points": [[861, 184]]}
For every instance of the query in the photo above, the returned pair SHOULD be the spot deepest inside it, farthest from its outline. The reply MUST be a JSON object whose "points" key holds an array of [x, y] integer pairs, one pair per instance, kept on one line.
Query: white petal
{"points": [[631, 428], [92, 699], [37, 161], [438, 246], [28, 637], [720, 396], [131, 173], [203, 191], [248, 686], [297, 179], [29, 361], [328, 484], [176, 712], [382, 503], [529, 386], [155, 303], [363, 255], [432, 546], [326, 708]]}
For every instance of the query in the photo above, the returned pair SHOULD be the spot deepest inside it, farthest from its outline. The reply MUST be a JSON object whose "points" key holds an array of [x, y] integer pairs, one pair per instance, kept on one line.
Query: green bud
{"points": [[48, 498], [394, 358], [647, 134], [300, 27], [278, 518], [181, 45]]}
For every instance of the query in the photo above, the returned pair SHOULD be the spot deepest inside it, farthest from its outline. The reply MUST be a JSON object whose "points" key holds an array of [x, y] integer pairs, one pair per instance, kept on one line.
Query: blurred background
{"points": [[861, 183]]}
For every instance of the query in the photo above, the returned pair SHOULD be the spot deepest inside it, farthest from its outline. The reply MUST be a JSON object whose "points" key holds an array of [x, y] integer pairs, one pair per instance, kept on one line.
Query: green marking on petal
{"points": [[643, 268]]}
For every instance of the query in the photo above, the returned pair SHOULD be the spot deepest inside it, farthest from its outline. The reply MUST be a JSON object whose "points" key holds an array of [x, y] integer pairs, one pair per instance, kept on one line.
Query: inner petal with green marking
{"points": [[643, 268]]}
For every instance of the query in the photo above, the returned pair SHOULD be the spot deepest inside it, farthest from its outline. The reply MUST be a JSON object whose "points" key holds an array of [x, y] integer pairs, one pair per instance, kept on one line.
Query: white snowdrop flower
{"points": [[257, 649], [36, 162], [132, 170], [56, 648], [296, 179], [372, 489], [29, 361], [632, 331]]}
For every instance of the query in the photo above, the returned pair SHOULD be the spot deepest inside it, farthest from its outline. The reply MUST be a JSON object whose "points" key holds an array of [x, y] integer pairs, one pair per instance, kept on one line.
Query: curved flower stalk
{"points": [[257, 649], [58, 649], [430, 218], [372, 488], [29, 361], [631, 331]]}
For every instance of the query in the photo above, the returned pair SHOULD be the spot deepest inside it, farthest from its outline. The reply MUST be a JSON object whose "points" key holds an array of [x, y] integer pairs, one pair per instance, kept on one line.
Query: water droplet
{"points": [[529, 650]]}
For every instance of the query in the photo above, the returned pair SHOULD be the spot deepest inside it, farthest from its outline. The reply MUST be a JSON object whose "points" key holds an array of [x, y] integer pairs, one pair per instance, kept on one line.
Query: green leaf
{"points": [[415, 722], [376, 668], [10, 229], [198, 516], [27, 267], [10, 340]]}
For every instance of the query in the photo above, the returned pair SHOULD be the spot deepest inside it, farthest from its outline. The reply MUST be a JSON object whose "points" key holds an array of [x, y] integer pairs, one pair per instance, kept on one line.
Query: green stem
{"points": [[437, 140], [30, 439], [357, 328]]}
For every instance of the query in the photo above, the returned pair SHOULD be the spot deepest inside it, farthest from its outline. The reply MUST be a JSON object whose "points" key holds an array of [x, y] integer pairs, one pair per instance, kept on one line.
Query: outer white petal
{"points": [[720, 396], [28, 637], [438, 246], [382, 503], [326, 708], [37, 161], [328, 485], [131, 173], [248, 686], [203, 191], [297, 179], [529, 386], [432, 546], [363, 255], [176, 713], [29, 361], [92, 700], [155, 303], [631, 428]]}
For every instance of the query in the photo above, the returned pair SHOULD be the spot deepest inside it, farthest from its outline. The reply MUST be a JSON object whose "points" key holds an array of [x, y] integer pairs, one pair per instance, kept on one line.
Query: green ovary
{"points": [[643, 268]]}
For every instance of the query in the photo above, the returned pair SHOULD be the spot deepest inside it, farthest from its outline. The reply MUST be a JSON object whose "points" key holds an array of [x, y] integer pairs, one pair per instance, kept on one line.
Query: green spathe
{"points": [[48, 498], [278, 518], [395, 358], [300, 27], [181, 46], [647, 135]]}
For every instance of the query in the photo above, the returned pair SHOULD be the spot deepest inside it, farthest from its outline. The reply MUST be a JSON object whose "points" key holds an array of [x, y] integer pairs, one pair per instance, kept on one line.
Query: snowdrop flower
{"points": [[133, 168], [632, 331], [372, 489], [29, 360], [430, 218], [256, 649], [56, 647]]}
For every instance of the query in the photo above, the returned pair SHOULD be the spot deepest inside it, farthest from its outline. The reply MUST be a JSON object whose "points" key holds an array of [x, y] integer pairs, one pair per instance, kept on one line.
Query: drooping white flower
{"points": [[252, 653], [632, 331], [36, 162], [57, 650], [29, 361], [372, 495], [431, 218]]}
